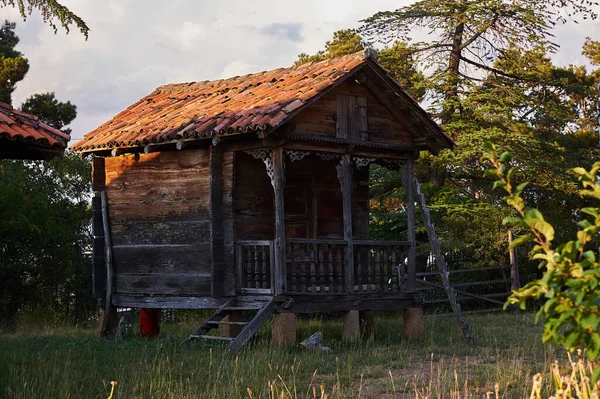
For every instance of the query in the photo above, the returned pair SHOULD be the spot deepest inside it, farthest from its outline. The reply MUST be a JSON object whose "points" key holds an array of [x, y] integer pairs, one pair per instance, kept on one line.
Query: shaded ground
{"points": [[73, 363]]}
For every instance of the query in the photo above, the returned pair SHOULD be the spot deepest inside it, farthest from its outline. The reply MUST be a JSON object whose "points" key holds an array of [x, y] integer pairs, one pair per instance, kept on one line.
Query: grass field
{"points": [[73, 363]]}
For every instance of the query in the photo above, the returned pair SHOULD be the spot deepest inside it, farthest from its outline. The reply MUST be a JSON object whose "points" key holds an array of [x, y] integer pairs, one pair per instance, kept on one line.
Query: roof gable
{"points": [[259, 102]]}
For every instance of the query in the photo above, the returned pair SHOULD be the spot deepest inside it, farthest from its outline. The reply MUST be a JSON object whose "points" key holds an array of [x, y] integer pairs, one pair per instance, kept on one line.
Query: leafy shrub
{"points": [[570, 286]]}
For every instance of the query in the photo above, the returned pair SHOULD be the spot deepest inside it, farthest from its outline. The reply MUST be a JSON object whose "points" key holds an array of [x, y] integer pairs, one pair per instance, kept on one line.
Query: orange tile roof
{"points": [[256, 102], [17, 126]]}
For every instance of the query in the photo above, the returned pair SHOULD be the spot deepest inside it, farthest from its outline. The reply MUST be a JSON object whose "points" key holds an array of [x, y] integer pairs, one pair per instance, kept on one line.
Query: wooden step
{"points": [[241, 308], [213, 337], [229, 323]]}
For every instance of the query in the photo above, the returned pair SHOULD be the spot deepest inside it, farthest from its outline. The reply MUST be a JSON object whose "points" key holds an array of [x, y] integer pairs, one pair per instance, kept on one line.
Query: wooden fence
{"points": [[478, 289]]}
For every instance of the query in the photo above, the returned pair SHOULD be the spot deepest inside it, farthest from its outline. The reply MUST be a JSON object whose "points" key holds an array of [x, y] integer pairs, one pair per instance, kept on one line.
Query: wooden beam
{"points": [[108, 307], [217, 240], [278, 181], [346, 184], [410, 199]]}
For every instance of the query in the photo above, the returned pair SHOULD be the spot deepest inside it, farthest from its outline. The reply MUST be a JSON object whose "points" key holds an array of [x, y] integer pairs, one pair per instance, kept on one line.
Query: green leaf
{"points": [[511, 220], [520, 241], [534, 214], [506, 157], [488, 146], [522, 186], [542, 226], [498, 184]]}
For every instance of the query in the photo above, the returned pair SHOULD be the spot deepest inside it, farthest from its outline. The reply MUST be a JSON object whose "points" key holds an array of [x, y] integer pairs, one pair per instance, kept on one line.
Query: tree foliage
{"points": [[50, 110], [466, 37], [570, 286], [13, 66], [45, 248], [52, 12]]}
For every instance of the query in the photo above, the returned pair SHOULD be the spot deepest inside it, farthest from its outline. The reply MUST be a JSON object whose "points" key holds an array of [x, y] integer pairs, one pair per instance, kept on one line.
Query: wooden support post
{"points": [[278, 180], [413, 322], [410, 200], [217, 242], [232, 330], [284, 329], [351, 327], [345, 178], [109, 309], [514, 265]]}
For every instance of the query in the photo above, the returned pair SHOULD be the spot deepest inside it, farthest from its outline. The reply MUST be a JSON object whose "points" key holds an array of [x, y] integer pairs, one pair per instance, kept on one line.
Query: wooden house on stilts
{"points": [[252, 193]]}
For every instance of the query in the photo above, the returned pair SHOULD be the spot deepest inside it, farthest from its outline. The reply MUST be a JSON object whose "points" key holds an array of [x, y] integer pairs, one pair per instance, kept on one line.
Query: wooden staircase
{"points": [[257, 310]]}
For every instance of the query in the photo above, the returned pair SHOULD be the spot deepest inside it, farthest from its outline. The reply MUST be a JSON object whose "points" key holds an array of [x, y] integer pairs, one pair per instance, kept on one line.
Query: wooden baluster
{"points": [[386, 270], [265, 281], [339, 261], [358, 277], [370, 259], [257, 276], [395, 280], [378, 265], [330, 267], [313, 269], [292, 254], [249, 277], [302, 268], [321, 258]]}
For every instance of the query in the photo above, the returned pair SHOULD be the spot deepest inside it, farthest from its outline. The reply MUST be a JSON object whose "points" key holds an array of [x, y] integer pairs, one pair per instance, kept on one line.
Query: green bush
{"points": [[570, 285]]}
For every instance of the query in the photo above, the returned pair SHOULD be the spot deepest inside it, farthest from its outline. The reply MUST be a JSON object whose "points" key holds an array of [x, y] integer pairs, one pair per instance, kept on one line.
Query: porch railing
{"points": [[380, 266], [255, 261], [315, 266]]}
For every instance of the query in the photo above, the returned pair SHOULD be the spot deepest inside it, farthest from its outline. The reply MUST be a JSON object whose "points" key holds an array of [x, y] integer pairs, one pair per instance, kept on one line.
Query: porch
{"points": [[309, 236]]}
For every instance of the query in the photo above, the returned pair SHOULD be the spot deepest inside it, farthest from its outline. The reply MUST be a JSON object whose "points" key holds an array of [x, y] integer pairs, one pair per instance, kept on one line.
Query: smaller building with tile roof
{"points": [[253, 193], [24, 136]]}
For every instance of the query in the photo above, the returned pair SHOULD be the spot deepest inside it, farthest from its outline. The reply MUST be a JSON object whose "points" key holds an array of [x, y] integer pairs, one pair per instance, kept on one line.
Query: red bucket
{"points": [[149, 323]]}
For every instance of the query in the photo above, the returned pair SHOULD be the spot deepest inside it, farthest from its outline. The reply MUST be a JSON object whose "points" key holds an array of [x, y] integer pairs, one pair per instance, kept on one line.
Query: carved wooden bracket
{"points": [[296, 155], [339, 168], [265, 156], [362, 162]]}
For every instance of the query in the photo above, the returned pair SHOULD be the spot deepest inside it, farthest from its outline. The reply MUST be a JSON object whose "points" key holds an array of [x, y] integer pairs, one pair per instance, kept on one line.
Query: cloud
{"points": [[289, 31], [137, 45]]}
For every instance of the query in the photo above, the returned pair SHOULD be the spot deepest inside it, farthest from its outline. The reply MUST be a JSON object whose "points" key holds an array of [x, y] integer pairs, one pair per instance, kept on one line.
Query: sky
{"points": [[135, 46]]}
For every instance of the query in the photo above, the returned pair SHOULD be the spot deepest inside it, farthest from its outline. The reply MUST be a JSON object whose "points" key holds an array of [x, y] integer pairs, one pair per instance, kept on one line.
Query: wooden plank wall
{"points": [[254, 206], [320, 117], [160, 222]]}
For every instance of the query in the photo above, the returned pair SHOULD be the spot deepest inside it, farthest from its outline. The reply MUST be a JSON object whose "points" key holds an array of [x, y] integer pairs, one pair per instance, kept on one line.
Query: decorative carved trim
{"points": [[362, 162], [265, 156], [327, 156], [261, 153], [296, 155], [340, 172], [339, 168]]}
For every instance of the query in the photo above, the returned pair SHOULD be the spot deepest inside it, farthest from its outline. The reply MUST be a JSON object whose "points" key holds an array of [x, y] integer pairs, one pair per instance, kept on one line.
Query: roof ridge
{"points": [[181, 87]]}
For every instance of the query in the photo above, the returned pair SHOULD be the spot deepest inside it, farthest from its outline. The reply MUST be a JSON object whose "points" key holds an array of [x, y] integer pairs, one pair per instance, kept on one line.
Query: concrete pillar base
{"points": [[351, 328], [284, 329], [413, 322], [231, 330], [367, 322]]}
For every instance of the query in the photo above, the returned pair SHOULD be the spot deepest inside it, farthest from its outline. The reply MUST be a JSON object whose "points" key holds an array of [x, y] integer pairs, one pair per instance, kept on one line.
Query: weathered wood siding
{"points": [[160, 221], [321, 118]]}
